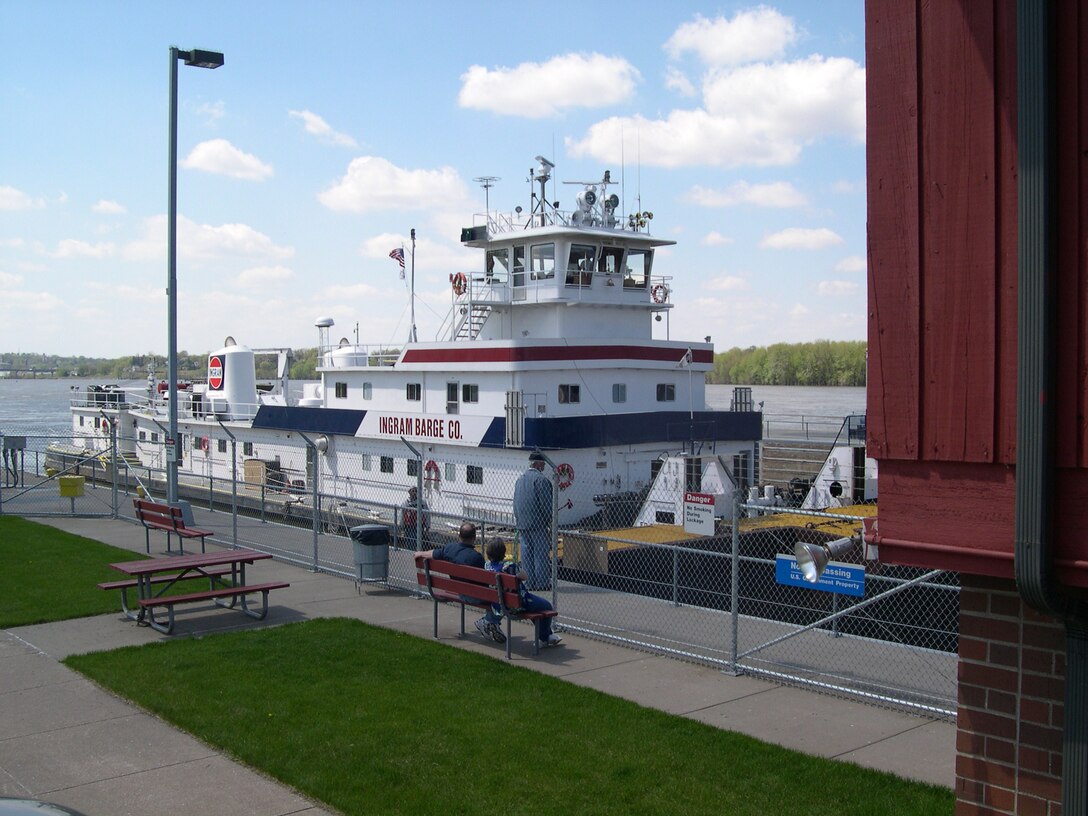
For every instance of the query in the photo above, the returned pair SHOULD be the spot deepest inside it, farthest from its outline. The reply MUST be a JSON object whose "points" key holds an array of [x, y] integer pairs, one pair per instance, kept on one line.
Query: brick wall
{"points": [[1011, 684]]}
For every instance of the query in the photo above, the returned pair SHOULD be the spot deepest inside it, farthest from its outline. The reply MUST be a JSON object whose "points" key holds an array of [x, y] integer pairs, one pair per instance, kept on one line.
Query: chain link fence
{"points": [[723, 599]]}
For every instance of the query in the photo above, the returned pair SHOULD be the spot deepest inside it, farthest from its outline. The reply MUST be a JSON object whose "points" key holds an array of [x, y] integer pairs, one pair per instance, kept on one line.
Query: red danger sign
{"points": [[215, 372]]}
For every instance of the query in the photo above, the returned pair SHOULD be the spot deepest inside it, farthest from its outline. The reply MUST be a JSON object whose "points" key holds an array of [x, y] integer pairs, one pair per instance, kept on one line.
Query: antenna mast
{"points": [[412, 299], [487, 182]]}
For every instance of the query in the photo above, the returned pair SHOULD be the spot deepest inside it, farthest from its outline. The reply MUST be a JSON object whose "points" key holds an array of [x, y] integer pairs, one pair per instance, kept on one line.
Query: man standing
{"points": [[533, 517], [415, 518]]}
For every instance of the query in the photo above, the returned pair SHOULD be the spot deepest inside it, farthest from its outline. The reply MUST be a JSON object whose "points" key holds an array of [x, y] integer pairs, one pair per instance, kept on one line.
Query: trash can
{"points": [[371, 545]]}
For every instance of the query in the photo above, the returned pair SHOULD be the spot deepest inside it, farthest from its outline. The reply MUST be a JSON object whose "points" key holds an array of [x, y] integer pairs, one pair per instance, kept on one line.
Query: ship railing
{"points": [[357, 355], [498, 223]]}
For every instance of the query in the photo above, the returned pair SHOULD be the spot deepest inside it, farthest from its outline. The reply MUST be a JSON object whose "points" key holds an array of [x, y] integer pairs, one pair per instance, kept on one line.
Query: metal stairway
{"points": [[473, 321]]}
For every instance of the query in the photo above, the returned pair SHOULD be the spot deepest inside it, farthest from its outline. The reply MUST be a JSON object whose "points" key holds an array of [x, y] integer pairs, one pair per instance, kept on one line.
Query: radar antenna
{"points": [[487, 182]]}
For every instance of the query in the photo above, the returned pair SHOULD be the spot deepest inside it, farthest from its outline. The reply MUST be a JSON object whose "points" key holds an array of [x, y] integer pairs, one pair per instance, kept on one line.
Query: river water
{"points": [[32, 407]]}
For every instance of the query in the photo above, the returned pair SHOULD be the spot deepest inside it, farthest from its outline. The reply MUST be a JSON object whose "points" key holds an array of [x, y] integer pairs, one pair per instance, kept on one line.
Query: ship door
{"points": [[515, 419], [518, 276]]}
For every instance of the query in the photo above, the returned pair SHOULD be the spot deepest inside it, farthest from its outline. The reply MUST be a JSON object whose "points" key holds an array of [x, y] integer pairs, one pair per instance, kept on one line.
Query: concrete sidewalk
{"points": [[64, 740]]}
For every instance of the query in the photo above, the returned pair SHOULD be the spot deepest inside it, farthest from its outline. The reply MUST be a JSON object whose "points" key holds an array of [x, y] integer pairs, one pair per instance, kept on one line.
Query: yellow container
{"points": [[71, 486]]}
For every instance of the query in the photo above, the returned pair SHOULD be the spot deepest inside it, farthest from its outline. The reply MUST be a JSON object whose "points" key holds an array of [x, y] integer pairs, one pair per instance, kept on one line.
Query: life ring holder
{"points": [[460, 283], [431, 474], [659, 293], [564, 475]]}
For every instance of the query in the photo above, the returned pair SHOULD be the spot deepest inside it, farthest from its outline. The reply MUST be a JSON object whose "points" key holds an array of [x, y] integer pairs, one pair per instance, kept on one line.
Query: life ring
{"points": [[205, 444], [564, 475], [659, 293], [105, 426], [460, 283], [431, 472]]}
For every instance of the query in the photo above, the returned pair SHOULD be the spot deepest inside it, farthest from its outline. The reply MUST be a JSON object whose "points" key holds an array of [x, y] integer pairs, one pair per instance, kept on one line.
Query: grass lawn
{"points": [[369, 720], [50, 575]]}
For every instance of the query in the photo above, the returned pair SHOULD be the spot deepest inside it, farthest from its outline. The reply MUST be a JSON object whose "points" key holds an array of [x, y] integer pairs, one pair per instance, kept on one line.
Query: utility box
{"points": [[71, 487], [371, 545]]}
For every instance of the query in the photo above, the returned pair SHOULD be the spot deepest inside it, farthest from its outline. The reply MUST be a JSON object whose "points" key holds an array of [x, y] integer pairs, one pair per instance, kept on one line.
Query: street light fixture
{"points": [[812, 558], [200, 59]]}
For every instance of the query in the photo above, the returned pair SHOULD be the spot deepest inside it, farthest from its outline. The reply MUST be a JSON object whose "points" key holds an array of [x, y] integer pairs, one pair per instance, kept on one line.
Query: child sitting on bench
{"points": [[496, 556]]}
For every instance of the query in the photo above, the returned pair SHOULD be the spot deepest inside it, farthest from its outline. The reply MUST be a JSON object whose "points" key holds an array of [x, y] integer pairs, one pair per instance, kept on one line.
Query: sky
{"points": [[334, 128]]}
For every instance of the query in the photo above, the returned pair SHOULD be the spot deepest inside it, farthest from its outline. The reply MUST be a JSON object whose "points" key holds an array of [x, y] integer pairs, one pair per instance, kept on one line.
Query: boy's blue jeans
{"points": [[530, 603]]}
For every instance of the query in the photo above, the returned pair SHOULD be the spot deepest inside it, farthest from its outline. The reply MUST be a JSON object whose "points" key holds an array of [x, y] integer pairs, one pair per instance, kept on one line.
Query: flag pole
{"points": [[412, 299]]}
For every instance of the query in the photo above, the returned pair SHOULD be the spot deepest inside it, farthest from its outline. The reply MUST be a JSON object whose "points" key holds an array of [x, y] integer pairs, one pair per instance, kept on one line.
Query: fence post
{"points": [[734, 584], [675, 577], [113, 469]]}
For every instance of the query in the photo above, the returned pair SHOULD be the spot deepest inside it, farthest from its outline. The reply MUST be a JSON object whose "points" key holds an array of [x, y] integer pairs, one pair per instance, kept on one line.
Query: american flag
{"points": [[398, 256]]}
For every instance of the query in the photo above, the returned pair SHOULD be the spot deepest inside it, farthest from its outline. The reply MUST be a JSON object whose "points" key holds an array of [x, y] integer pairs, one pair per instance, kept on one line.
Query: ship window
{"points": [[414, 392], [367, 461], [569, 394], [413, 467], [247, 449], [453, 406], [637, 272], [341, 390], [143, 435], [81, 421], [474, 474], [580, 265], [498, 264], [221, 446], [611, 258], [542, 261], [368, 391], [451, 472], [470, 393], [154, 436], [619, 392], [666, 392], [386, 464]]}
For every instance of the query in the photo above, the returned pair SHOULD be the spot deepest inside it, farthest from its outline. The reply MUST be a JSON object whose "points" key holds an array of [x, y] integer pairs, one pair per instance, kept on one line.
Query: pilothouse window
{"points": [[637, 272], [498, 265], [611, 260], [542, 261], [580, 265]]}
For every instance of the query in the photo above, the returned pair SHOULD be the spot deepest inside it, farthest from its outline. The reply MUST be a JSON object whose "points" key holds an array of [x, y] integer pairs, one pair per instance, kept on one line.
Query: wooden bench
{"points": [[169, 519], [233, 592], [131, 583], [451, 583]]}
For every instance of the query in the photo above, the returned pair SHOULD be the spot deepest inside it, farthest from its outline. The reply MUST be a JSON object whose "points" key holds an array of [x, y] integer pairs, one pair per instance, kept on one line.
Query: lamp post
{"points": [[201, 59]]}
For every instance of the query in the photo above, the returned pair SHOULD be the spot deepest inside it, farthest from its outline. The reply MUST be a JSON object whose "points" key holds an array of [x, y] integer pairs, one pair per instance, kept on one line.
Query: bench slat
{"points": [[169, 519], [211, 594], [132, 583]]}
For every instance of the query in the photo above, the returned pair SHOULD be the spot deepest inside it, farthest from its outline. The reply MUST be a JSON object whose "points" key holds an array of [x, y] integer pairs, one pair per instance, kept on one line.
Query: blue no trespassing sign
{"points": [[846, 579]]}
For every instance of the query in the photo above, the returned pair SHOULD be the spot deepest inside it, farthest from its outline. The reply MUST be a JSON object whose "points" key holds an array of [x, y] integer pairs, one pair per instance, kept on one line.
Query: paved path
{"points": [[65, 740]]}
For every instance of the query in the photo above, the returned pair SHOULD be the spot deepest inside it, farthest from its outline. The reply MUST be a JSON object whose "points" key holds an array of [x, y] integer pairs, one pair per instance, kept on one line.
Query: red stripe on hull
{"points": [[538, 354]]}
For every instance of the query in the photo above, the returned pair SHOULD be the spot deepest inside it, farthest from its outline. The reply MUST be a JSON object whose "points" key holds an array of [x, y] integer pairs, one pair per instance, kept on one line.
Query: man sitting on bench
{"points": [[463, 551]]}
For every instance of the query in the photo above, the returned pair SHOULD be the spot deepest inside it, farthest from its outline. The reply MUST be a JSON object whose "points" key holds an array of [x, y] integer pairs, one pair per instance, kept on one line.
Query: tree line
{"points": [[823, 362]]}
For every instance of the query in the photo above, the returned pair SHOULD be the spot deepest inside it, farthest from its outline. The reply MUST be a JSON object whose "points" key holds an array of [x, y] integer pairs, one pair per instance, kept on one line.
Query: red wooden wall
{"points": [[942, 194]]}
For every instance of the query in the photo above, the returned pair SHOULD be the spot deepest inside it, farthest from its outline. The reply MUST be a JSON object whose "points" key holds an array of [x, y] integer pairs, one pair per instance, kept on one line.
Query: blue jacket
{"points": [[532, 500]]}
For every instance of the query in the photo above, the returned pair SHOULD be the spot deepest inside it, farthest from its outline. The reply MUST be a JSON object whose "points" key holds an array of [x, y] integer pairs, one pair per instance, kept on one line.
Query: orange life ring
{"points": [[460, 283], [431, 472], [659, 293], [205, 444], [564, 475]]}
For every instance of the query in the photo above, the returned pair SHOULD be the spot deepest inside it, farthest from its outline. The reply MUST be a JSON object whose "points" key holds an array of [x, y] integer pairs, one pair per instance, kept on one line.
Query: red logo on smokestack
{"points": [[215, 372]]}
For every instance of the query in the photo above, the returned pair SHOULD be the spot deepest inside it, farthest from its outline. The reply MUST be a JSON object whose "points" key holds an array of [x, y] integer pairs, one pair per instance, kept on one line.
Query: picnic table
{"points": [[225, 571]]}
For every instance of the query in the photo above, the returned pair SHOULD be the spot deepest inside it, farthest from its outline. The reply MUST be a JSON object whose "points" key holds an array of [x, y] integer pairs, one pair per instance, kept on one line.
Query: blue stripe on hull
{"points": [[549, 433]]}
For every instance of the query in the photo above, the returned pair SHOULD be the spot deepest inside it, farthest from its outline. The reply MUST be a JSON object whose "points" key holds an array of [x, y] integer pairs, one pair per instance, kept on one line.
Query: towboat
{"points": [[548, 345]]}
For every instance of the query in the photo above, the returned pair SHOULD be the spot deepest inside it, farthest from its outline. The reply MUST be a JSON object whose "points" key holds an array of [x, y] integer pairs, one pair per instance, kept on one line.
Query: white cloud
{"points": [[372, 183], [71, 248], [775, 194], [14, 243], [105, 207], [8, 279], [535, 90], [715, 238], [727, 283], [203, 242], [212, 111], [837, 288], [845, 187], [676, 80], [262, 275], [222, 158], [799, 310], [754, 34], [852, 263], [794, 102], [316, 126], [800, 238], [13, 199]]}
